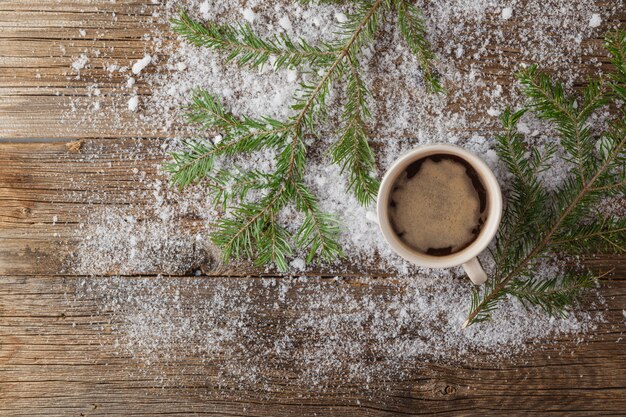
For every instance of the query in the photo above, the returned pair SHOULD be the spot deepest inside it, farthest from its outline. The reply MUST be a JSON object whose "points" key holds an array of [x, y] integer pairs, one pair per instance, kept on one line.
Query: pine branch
{"points": [[604, 235], [352, 152], [549, 101], [240, 234], [231, 185], [242, 135], [192, 164], [413, 30], [319, 232], [248, 49], [251, 227], [484, 301], [616, 45], [543, 244], [207, 111], [555, 295], [558, 224], [273, 245], [527, 201]]}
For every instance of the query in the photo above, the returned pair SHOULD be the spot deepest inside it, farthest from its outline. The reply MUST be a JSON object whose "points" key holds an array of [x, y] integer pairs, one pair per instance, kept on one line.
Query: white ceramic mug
{"points": [[465, 257]]}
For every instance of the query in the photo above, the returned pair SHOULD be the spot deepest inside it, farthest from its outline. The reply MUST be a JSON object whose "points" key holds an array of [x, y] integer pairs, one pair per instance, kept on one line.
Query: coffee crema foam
{"points": [[437, 205]]}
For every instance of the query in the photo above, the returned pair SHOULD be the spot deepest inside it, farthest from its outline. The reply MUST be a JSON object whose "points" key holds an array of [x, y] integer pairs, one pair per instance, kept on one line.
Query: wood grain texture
{"points": [[58, 355], [49, 192], [57, 358], [48, 189], [38, 44], [57, 349]]}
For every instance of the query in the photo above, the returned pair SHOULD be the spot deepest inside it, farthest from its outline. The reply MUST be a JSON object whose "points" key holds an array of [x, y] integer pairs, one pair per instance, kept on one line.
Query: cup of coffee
{"points": [[439, 206]]}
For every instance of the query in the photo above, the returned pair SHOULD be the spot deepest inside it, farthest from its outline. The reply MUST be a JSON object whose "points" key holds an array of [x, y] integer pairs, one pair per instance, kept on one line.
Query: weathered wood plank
{"points": [[39, 44], [58, 357], [40, 93], [48, 191], [57, 353], [80, 7]]}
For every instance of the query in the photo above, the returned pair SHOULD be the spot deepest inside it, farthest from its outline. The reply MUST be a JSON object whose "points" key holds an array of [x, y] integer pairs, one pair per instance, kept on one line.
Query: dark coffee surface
{"points": [[437, 205]]}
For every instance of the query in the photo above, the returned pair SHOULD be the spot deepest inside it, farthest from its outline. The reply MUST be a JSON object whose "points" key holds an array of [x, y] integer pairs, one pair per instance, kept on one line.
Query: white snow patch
{"points": [[133, 103], [141, 64], [493, 112], [292, 76], [372, 217], [80, 63], [248, 15], [205, 9], [341, 17], [298, 264], [285, 23]]}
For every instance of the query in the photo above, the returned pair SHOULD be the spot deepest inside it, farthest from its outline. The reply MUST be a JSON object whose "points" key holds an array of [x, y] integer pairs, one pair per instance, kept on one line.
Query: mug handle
{"points": [[475, 271]]}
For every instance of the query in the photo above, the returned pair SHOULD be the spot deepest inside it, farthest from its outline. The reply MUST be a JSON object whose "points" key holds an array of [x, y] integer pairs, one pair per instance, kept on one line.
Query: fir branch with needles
{"points": [[253, 201], [538, 223]]}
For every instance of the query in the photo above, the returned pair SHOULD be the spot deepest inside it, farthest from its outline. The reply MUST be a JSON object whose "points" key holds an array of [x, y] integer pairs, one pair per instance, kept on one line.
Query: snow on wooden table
{"points": [[57, 353]]}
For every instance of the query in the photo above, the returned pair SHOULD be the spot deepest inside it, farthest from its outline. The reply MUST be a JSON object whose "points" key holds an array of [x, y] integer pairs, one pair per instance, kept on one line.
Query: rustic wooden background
{"points": [[55, 361]]}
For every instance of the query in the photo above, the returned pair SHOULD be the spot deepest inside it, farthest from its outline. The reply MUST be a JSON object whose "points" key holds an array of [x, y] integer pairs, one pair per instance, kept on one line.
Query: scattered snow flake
{"points": [[341, 17], [133, 103], [205, 9], [130, 82], [141, 64], [372, 217], [248, 15], [285, 23], [80, 63], [493, 112], [523, 128], [292, 75], [298, 264], [507, 12], [279, 98], [595, 21]]}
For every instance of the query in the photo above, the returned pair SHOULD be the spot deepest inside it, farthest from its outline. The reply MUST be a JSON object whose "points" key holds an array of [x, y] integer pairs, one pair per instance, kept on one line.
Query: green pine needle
{"points": [[413, 30], [246, 48], [555, 295], [251, 226], [538, 222], [352, 151]]}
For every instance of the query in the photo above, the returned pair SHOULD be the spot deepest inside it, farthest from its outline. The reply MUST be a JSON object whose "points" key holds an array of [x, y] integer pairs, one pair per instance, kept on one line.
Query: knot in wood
{"points": [[449, 390]]}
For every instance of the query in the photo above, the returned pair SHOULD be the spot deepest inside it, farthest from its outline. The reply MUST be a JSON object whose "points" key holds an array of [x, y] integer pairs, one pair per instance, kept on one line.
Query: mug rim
{"points": [[489, 230]]}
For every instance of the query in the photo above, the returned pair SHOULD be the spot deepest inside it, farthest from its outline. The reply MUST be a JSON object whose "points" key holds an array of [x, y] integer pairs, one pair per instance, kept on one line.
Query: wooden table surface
{"points": [[55, 357]]}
